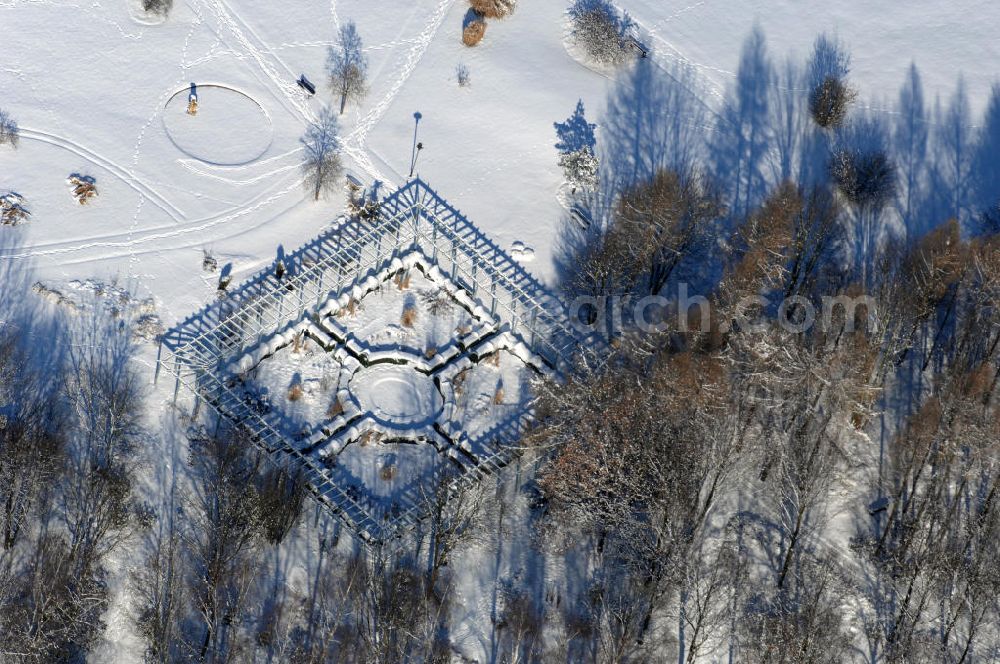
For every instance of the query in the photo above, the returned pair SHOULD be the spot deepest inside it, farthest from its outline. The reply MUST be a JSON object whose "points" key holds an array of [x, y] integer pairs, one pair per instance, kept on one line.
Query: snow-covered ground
{"points": [[100, 90], [100, 96]]}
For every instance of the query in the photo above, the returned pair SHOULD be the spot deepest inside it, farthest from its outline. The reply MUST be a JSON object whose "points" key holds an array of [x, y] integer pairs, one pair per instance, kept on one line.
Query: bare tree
{"points": [[225, 527], [520, 626], [347, 66], [161, 593], [97, 500], [281, 492], [804, 624], [829, 94], [455, 513], [8, 129], [396, 615], [322, 167], [33, 422], [662, 222]]}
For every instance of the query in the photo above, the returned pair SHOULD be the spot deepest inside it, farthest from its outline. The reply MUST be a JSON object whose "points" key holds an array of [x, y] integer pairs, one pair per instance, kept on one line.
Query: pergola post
{"points": [[177, 377], [159, 351]]}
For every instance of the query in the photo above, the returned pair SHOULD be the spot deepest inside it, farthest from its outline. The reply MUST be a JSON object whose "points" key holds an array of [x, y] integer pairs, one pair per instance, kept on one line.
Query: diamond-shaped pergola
{"points": [[414, 229]]}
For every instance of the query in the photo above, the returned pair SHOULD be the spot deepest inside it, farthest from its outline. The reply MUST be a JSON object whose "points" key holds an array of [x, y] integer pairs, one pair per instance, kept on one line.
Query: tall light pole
{"points": [[413, 164], [417, 147]]}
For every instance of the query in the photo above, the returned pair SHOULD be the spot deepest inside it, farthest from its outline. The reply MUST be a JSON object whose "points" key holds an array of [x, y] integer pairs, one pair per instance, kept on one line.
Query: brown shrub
{"points": [[498, 395], [295, 392], [473, 32], [493, 8], [336, 409], [409, 317], [351, 309]]}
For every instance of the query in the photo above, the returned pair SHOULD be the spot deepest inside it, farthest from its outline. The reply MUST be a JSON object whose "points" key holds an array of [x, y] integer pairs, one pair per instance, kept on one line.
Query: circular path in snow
{"points": [[230, 128], [396, 394]]}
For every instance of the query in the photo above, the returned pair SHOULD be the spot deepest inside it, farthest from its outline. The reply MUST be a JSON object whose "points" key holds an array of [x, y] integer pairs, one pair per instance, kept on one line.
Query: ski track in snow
{"points": [[266, 61], [122, 173], [334, 16], [151, 235]]}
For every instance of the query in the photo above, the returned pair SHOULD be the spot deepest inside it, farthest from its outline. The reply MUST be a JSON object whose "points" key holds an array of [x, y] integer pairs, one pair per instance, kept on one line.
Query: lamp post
{"points": [[413, 164], [417, 147]]}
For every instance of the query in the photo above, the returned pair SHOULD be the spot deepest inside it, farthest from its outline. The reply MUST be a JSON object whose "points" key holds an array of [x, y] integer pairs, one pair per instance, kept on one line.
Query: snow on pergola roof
{"points": [[212, 351]]}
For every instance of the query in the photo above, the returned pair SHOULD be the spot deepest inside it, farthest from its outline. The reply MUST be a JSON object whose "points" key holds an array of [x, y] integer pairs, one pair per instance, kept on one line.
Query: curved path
{"points": [[122, 173]]}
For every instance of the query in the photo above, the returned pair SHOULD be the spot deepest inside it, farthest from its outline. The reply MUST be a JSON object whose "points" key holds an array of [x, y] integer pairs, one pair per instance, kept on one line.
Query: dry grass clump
{"points": [[351, 309], [295, 392], [498, 395], [335, 410], [387, 472], [430, 352], [458, 382], [474, 31], [409, 316], [493, 8], [402, 280], [84, 187]]}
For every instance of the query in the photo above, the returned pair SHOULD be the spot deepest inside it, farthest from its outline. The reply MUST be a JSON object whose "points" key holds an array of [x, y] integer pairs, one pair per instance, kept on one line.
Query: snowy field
{"points": [[101, 90], [102, 99]]}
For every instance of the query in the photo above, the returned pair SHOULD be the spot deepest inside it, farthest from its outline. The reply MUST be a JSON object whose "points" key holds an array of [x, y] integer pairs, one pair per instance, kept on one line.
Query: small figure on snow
{"points": [[193, 100]]}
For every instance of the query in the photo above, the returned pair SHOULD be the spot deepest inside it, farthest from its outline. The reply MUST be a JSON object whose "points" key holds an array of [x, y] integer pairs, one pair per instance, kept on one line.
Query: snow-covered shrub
{"points": [[829, 94], [580, 168], [8, 129], [161, 7], [437, 301], [601, 31], [474, 30], [494, 8]]}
